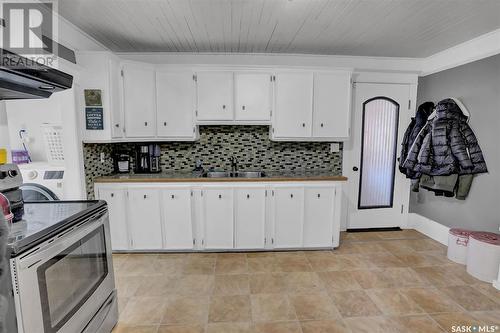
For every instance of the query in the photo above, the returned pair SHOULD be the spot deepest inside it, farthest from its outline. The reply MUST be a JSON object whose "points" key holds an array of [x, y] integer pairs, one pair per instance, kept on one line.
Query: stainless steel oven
{"points": [[66, 283]]}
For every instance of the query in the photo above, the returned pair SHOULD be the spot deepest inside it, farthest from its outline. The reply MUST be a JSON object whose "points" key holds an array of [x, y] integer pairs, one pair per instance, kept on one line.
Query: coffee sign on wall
{"points": [[94, 115]]}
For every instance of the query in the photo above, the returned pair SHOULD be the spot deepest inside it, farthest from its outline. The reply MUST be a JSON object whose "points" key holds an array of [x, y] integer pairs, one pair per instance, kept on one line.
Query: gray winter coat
{"points": [[446, 145]]}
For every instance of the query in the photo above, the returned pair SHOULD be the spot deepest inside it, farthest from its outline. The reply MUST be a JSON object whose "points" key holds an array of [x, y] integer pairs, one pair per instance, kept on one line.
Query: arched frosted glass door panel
{"points": [[378, 153]]}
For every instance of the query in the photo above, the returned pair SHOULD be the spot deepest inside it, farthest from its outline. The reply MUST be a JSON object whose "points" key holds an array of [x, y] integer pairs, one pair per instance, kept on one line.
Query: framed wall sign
{"points": [[93, 97], [94, 119]]}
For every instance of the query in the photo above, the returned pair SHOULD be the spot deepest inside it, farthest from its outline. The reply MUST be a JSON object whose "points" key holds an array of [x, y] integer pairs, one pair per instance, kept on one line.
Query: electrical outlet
{"points": [[103, 157], [334, 147]]}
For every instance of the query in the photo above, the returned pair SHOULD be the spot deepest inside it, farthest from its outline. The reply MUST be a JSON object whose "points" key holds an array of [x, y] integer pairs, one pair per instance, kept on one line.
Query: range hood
{"points": [[22, 78]]}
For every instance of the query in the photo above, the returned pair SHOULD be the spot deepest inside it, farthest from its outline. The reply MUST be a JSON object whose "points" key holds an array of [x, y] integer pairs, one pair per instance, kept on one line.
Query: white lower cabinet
{"points": [[177, 213], [223, 216], [288, 216], [250, 218], [144, 219], [218, 222], [115, 198], [319, 206]]}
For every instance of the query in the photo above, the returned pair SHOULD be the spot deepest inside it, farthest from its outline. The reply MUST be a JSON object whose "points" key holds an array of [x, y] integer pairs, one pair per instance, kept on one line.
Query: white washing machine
{"points": [[42, 181]]}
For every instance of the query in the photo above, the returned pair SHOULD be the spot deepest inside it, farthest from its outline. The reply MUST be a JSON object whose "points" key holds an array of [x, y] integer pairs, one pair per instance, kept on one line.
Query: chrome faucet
{"points": [[234, 164]]}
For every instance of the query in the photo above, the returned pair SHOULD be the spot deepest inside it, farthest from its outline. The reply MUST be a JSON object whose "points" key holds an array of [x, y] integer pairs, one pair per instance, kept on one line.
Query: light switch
{"points": [[334, 147]]}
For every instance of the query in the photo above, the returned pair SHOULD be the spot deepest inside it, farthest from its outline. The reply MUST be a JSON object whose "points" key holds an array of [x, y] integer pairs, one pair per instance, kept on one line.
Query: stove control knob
{"points": [[3, 174], [32, 174], [12, 173]]}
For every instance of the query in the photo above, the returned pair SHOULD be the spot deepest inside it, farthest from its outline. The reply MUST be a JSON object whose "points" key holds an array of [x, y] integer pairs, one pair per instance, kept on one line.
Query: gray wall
{"points": [[477, 85]]}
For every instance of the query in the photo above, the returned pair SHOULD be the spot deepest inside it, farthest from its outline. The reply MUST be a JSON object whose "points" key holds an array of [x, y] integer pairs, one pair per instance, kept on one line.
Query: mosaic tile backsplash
{"points": [[249, 144]]}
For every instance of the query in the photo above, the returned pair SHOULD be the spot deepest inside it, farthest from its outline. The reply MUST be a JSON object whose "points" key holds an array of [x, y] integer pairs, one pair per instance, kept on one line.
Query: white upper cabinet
{"points": [[250, 218], [253, 96], [319, 216], [332, 104], [115, 97], [288, 216], [214, 95], [177, 219], [218, 218], [175, 103], [293, 105], [144, 219], [139, 100]]}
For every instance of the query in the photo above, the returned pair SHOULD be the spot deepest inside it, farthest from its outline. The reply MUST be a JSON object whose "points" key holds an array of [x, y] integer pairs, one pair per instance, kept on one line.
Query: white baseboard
{"points": [[428, 227]]}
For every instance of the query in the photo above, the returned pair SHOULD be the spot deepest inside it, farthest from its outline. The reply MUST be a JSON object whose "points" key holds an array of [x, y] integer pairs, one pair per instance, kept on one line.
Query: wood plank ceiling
{"points": [[397, 28]]}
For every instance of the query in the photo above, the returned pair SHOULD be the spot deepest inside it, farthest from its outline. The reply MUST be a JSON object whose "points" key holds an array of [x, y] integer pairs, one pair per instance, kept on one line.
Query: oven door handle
{"points": [[59, 245]]}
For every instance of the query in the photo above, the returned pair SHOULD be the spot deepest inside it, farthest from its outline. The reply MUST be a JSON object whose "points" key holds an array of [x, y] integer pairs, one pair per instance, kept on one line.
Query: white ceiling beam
{"points": [[475, 49]]}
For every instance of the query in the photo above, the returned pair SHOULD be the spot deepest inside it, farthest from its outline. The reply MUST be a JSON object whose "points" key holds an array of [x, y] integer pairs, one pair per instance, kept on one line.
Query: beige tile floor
{"points": [[374, 282]]}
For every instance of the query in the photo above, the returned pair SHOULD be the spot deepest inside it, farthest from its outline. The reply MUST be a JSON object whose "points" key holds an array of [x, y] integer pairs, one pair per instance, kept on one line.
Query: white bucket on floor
{"points": [[483, 256], [458, 240]]}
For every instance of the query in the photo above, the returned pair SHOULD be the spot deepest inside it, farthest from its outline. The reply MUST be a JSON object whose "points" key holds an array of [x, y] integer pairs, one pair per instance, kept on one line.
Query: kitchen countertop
{"points": [[179, 177]]}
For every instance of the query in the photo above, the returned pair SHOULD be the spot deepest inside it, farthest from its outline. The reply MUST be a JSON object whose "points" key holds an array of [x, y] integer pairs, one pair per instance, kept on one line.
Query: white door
{"points": [[377, 192], [176, 99], [215, 95], [177, 219], [139, 101], [332, 105], [117, 217], [250, 218], [288, 216], [319, 216], [218, 218], [144, 219], [293, 105], [252, 96]]}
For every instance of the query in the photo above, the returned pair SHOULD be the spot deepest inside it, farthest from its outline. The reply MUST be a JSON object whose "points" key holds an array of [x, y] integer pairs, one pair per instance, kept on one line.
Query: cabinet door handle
{"points": [[145, 123], [248, 196], [173, 196], [303, 124], [223, 107], [291, 195], [319, 195], [321, 125], [145, 196], [243, 107], [117, 125], [220, 196], [112, 194], [164, 123]]}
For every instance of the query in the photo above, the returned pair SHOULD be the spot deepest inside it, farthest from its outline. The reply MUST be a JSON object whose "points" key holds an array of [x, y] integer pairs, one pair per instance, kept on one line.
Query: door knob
{"points": [[291, 196], [145, 196], [164, 123], [321, 125], [248, 196], [220, 196], [303, 124], [355, 168], [145, 123], [243, 107], [223, 107], [172, 196]]}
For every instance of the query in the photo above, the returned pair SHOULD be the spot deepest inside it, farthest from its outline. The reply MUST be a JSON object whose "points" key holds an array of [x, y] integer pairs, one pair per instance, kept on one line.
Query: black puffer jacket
{"points": [[416, 124], [446, 145]]}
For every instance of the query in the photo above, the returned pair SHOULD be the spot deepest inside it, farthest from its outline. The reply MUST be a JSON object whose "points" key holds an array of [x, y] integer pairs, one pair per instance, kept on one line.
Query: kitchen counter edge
{"points": [[159, 179]]}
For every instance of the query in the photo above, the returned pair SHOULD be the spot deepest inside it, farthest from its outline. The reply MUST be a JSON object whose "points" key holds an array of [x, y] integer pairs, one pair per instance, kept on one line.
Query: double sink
{"points": [[232, 174]]}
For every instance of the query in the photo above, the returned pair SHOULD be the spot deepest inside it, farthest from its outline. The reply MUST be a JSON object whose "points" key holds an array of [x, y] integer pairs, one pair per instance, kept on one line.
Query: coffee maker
{"points": [[121, 161], [147, 159]]}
